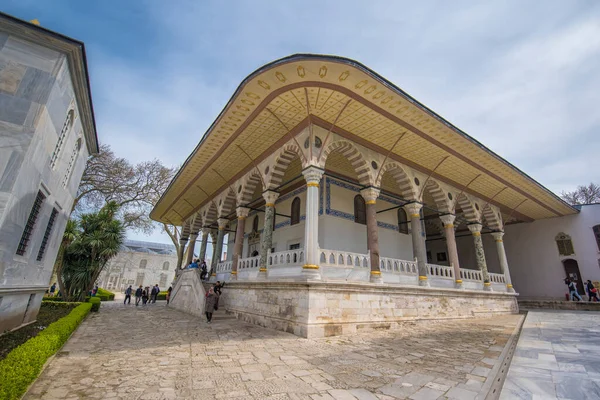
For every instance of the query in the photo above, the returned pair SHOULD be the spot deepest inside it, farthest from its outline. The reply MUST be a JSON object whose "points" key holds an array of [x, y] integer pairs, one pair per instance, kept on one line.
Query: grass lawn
{"points": [[49, 312]]}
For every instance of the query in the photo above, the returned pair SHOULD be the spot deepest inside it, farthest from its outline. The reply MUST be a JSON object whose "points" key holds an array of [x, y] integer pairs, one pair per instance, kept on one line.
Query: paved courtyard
{"points": [[557, 357], [156, 352]]}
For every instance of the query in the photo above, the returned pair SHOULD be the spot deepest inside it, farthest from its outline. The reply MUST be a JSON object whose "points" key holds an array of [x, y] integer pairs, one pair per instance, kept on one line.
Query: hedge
{"points": [[105, 295], [95, 301], [23, 365]]}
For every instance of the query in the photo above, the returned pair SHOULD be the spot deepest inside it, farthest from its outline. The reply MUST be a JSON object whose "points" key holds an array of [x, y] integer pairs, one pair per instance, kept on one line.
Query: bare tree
{"points": [[134, 188], [583, 195]]}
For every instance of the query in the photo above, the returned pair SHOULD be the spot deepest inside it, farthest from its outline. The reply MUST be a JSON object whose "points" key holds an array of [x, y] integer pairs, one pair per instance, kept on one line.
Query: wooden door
{"points": [[572, 271]]}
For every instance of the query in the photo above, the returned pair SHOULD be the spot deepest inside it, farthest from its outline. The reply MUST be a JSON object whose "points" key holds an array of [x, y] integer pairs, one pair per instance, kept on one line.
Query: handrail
{"points": [[339, 258], [398, 266], [471, 275], [440, 271], [248, 263], [287, 257]]}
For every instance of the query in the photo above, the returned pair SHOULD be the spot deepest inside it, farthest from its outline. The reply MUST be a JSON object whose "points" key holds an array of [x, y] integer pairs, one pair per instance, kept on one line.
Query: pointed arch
{"points": [[286, 155], [439, 195], [352, 154], [407, 188], [492, 218], [197, 223], [185, 230], [468, 208], [227, 203], [248, 186], [210, 214]]}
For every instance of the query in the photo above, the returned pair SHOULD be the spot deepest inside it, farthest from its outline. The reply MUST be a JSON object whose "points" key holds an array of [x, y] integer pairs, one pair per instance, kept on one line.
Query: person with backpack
{"points": [[128, 294], [591, 290], [145, 294], [572, 289], [138, 295]]}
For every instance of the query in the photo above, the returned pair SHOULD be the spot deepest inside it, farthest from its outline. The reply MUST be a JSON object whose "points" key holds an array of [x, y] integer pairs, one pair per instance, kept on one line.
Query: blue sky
{"points": [[521, 77]]}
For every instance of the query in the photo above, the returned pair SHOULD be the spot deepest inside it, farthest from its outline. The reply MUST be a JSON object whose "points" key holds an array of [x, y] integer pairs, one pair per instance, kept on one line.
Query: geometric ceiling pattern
{"points": [[278, 100]]}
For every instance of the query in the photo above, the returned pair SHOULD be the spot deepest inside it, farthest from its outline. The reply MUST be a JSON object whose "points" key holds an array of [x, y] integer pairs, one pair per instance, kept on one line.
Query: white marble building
{"points": [[140, 263], [47, 132]]}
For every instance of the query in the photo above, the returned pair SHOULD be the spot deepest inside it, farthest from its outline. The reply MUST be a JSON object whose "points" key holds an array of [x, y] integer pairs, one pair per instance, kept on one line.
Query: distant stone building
{"points": [[47, 132], [140, 263]]}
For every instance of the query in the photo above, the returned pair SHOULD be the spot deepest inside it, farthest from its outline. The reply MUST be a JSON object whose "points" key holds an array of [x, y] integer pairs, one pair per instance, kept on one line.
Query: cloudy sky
{"points": [[522, 77]]}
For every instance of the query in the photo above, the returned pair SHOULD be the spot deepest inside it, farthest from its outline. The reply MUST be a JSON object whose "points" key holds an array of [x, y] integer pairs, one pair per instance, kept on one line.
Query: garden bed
{"points": [[49, 312]]}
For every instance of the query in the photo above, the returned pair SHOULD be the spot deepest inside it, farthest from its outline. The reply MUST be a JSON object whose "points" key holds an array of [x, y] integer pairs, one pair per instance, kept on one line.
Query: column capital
{"points": [[370, 194], [222, 223], [270, 197], [313, 175], [448, 220], [413, 209], [242, 212], [205, 231], [475, 229], [498, 236]]}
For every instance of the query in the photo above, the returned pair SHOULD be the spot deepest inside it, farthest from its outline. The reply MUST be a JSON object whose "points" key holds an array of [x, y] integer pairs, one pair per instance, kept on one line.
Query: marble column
{"points": [[267, 235], [503, 260], [480, 255], [370, 195], [181, 251], [203, 244], [190, 249], [242, 214], [449, 233], [218, 246], [418, 240], [311, 226]]}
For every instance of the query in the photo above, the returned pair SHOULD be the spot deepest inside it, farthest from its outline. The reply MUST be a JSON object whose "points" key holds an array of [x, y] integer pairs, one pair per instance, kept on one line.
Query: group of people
{"points": [[202, 266], [145, 295], [590, 289]]}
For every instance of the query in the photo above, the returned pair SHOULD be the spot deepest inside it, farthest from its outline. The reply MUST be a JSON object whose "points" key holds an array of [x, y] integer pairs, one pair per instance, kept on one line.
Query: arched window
{"points": [[597, 235], [74, 154], [61, 138], [143, 263], [166, 266], [295, 211], [360, 210], [402, 221], [564, 244], [255, 224]]}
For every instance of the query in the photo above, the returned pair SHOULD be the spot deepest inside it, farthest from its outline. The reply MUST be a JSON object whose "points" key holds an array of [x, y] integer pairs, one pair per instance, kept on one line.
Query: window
{"points": [[597, 235], [360, 210], [294, 246], [33, 216], [429, 258], [564, 244], [143, 263], [166, 266], [61, 138], [47, 234], [295, 219], [139, 280], [163, 280], [255, 224], [402, 221], [74, 153]]}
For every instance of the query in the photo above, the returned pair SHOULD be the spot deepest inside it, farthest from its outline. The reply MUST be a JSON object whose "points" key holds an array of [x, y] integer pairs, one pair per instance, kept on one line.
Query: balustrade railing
{"points": [[440, 271], [224, 266], [288, 257], [497, 278], [398, 266], [337, 258], [471, 275], [248, 263]]}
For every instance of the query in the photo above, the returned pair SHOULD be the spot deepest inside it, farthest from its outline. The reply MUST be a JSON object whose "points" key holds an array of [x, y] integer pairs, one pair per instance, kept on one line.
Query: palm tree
{"points": [[98, 239]]}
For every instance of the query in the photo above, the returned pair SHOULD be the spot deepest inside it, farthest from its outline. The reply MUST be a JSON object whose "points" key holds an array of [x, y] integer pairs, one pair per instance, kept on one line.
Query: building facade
{"points": [[346, 203], [47, 132], [140, 263]]}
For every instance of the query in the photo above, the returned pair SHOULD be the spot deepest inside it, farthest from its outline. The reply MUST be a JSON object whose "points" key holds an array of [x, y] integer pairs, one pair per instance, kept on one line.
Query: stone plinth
{"points": [[318, 309], [188, 293]]}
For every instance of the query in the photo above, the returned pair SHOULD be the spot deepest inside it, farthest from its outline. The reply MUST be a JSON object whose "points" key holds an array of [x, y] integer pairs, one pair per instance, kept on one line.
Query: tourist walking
{"points": [[209, 304], [573, 289], [591, 290], [138, 295], [128, 295], [52, 289], [168, 297], [204, 270], [145, 294], [156, 291]]}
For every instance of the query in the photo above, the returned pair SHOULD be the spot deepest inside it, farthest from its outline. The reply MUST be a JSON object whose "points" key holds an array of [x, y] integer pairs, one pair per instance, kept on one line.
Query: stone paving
{"points": [[155, 352], [557, 357]]}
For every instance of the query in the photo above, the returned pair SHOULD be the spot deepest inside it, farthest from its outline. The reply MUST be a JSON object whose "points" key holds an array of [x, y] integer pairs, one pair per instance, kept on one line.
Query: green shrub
{"points": [[162, 295], [105, 295], [23, 365], [95, 301]]}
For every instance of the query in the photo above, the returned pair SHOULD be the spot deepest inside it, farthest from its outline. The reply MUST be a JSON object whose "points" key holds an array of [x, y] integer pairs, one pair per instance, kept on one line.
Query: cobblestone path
{"points": [[155, 352]]}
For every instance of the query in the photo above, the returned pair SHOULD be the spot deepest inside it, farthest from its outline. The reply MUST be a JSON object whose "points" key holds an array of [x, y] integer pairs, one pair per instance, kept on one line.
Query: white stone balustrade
{"points": [[288, 257], [440, 271], [497, 278], [398, 266], [224, 266], [471, 275], [337, 258], [248, 263]]}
